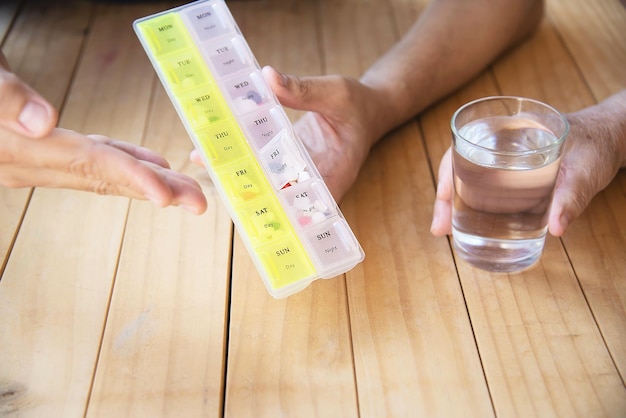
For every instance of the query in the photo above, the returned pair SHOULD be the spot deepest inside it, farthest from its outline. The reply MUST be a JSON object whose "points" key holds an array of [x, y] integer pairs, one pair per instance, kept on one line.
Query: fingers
{"points": [[109, 169], [22, 109], [185, 191], [561, 214], [442, 212], [595, 149], [138, 152], [174, 189], [302, 93], [66, 159], [581, 177], [285, 87], [195, 158]]}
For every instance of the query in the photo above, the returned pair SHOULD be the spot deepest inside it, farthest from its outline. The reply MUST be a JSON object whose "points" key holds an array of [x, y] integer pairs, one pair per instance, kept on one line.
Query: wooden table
{"points": [[111, 307]]}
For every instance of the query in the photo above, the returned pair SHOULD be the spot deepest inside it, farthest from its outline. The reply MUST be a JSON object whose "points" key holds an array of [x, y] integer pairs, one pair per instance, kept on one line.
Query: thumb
{"points": [[300, 93], [22, 109], [569, 201], [442, 212]]}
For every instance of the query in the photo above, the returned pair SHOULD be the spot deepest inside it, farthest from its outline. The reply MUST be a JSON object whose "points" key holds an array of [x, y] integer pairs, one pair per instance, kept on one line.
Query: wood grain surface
{"points": [[116, 308]]}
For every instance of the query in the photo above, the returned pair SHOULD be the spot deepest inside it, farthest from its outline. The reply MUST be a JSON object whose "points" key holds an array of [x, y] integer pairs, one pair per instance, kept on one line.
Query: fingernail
{"points": [[34, 117], [190, 209], [155, 200], [434, 223], [439, 191], [282, 78]]}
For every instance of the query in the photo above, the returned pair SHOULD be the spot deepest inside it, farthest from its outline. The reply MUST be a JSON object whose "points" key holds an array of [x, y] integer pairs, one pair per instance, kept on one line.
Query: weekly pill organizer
{"points": [[279, 203]]}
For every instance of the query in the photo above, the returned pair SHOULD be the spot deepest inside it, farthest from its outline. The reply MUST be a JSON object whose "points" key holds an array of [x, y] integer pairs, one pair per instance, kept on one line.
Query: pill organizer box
{"points": [[279, 203]]}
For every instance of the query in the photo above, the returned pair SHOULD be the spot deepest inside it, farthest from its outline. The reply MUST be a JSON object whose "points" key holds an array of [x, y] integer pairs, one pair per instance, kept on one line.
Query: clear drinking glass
{"points": [[506, 157]]}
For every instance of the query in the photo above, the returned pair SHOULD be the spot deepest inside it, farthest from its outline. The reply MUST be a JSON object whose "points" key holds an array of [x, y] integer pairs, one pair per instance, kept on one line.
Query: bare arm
{"points": [[450, 43]]}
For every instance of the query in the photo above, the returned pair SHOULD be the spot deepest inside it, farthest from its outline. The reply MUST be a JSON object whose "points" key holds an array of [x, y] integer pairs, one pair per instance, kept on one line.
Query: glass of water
{"points": [[506, 157]]}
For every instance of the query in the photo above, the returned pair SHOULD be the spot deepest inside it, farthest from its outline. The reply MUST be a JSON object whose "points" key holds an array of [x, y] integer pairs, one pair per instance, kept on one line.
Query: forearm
{"points": [[450, 43]]}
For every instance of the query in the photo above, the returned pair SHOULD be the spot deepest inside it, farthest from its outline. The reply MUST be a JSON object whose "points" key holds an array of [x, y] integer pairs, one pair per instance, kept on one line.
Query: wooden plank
{"points": [[53, 299], [12, 206], [289, 357], [413, 344], [598, 45], [541, 349], [355, 33], [171, 286], [56, 288], [602, 272], [406, 12], [39, 34], [8, 12]]}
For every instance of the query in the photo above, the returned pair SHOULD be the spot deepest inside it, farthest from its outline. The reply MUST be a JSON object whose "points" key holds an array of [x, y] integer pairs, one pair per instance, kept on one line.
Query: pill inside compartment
{"points": [[326, 235], [203, 107], [243, 181], [283, 161], [185, 70], [309, 203], [247, 91], [264, 220]]}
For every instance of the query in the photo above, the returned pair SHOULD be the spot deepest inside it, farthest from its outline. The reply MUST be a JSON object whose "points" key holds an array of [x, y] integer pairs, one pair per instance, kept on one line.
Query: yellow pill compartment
{"points": [[285, 261], [165, 34], [203, 107], [243, 181], [223, 143], [264, 220], [185, 70]]}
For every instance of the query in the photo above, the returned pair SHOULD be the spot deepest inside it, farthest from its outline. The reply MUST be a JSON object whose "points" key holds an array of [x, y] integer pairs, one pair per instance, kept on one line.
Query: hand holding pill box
{"points": [[279, 203]]}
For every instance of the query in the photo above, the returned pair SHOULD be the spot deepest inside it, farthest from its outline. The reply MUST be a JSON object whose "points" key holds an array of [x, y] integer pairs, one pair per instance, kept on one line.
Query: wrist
{"points": [[386, 108]]}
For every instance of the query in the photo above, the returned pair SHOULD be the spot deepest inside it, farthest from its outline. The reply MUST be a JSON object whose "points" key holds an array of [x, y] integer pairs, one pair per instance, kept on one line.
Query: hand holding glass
{"points": [[506, 157]]}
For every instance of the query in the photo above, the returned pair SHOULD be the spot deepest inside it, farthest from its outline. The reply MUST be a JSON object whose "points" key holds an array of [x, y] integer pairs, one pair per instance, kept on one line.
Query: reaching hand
{"points": [[66, 159], [35, 153]]}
